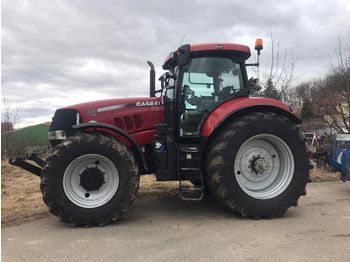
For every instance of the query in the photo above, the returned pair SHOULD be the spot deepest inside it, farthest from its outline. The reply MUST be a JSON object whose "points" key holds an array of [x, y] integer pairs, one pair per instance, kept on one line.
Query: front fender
{"points": [[239, 106], [117, 132]]}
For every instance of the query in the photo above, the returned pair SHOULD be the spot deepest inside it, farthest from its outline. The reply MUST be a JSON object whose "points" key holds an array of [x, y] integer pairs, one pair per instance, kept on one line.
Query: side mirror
{"points": [[171, 82], [183, 55]]}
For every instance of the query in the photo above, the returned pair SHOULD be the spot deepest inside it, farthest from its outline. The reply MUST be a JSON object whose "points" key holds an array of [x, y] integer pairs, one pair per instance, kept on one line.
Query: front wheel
{"points": [[89, 179], [258, 165]]}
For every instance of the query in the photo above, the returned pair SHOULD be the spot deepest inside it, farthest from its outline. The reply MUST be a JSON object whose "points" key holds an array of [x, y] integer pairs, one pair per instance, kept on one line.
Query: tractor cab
{"points": [[199, 78]]}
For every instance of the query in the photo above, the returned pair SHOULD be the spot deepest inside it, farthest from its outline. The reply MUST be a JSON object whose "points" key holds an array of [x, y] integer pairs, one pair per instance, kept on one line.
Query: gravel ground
{"points": [[168, 229]]}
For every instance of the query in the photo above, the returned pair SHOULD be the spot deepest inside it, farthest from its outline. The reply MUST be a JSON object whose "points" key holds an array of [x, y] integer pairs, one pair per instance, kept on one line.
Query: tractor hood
{"points": [[130, 114]]}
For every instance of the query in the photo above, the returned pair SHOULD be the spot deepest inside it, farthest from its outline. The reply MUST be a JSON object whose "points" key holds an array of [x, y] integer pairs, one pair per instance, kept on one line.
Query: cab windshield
{"points": [[207, 82]]}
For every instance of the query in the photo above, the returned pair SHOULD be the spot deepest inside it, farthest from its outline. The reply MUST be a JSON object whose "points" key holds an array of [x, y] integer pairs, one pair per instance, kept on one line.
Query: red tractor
{"points": [[203, 127]]}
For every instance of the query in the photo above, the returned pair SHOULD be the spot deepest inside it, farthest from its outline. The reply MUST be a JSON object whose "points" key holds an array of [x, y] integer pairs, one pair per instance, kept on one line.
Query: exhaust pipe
{"points": [[152, 80]]}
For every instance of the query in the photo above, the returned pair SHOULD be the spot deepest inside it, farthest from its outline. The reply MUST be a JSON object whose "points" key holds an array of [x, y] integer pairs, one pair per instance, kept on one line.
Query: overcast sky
{"points": [[57, 53]]}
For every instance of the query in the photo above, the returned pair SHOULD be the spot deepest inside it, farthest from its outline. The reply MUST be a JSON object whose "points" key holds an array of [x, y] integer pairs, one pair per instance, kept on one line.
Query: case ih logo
{"points": [[91, 112], [148, 103]]}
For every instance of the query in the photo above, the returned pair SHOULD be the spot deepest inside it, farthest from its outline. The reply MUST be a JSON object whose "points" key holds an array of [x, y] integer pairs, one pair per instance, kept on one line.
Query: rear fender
{"points": [[240, 106], [120, 135]]}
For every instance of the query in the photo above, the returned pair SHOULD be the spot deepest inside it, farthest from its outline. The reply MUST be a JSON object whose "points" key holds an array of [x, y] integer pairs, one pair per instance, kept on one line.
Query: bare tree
{"points": [[343, 58], [281, 73], [297, 96], [9, 115], [332, 94]]}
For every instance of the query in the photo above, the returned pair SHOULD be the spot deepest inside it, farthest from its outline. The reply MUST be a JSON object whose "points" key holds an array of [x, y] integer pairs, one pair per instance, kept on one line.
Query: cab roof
{"points": [[214, 48], [220, 46]]}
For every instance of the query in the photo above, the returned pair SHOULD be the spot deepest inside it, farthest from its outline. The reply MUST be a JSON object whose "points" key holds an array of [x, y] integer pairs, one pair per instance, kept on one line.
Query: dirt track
{"points": [[169, 229], [22, 200]]}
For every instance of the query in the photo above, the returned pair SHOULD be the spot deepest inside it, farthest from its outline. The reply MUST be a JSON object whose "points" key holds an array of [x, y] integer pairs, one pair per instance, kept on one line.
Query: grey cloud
{"points": [[57, 52]]}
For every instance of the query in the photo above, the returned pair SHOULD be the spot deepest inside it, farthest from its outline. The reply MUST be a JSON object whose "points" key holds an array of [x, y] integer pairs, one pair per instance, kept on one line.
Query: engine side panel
{"points": [[136, 116]]}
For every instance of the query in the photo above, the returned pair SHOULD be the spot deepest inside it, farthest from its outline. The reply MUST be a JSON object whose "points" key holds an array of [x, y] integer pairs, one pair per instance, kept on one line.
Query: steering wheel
{"points": [[225, 92], [188, 91], [190, 96]]}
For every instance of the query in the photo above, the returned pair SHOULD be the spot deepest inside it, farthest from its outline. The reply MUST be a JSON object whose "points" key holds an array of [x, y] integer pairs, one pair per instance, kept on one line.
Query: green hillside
{"points": [[31, 135]]}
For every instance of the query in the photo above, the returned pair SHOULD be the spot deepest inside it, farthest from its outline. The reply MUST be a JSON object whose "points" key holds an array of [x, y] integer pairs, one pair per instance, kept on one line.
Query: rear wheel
{"points": [[258, 165], [89, 179]]}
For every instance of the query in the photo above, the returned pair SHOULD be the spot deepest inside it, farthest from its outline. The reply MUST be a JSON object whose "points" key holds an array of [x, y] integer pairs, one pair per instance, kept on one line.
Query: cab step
{"points": [[191, 193]]}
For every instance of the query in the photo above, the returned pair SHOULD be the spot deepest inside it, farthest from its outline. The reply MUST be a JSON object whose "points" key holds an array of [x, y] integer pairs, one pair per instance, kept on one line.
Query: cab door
{"points": [[204, 84]]}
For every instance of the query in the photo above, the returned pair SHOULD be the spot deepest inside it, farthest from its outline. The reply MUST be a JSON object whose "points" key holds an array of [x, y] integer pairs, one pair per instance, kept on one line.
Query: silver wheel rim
{"points": [[79, 195], [264, 166]]}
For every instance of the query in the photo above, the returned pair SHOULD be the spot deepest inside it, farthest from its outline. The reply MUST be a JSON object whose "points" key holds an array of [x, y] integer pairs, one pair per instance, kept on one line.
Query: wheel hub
{"points": [[259, 164], [92, 179]]}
